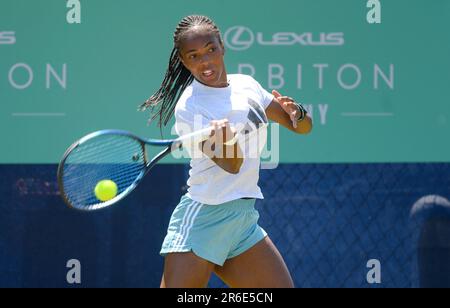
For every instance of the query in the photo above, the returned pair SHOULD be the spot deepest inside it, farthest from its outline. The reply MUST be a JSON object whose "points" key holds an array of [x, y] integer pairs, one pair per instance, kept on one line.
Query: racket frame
{"points": [[170, 145]]}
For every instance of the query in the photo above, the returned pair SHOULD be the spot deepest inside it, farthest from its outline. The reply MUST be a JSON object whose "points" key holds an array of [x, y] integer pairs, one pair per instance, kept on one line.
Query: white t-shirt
{"points": [[196, 108]]}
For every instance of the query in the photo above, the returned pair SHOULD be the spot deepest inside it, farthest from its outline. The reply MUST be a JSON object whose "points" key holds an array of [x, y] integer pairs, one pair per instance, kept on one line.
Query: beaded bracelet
{"points": [[302, 111]]}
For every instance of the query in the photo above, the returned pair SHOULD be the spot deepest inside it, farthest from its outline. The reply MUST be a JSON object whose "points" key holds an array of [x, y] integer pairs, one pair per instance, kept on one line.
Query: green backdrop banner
{"points": [[376, 92]]}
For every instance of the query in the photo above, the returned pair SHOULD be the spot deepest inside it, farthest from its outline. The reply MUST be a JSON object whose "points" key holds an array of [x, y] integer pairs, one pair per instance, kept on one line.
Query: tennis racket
{"points": [[120, 157], [114, 155]]}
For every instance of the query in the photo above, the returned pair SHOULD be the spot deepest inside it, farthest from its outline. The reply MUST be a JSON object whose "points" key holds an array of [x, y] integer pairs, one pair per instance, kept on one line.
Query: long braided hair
{"points": [[177, 77]]}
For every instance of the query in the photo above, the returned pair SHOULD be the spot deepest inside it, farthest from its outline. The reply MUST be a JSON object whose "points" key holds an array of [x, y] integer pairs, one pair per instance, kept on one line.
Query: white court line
{"points": [[38, 114], [367, 114]]}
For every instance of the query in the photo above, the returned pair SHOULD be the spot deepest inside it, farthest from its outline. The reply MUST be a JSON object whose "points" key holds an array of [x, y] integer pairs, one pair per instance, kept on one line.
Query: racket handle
{"points": [[195, 137]]}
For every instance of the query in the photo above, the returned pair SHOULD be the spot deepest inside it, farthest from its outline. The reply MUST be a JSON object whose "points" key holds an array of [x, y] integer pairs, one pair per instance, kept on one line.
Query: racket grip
{"points": [[196, 137]]}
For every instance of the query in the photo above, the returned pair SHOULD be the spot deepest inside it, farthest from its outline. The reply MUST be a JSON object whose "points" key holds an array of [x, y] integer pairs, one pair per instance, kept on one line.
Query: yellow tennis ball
{"points": [[105, 190]]}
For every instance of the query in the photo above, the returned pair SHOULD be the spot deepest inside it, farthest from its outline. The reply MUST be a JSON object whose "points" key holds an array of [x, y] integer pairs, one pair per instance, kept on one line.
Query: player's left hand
{"points": [[288, 105]]}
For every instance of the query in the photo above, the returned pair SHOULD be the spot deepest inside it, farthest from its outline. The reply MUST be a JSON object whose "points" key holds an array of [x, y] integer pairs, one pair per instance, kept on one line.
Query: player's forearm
{"points": [[227, 157], [304, 126], [277, 114], [230, 165]]}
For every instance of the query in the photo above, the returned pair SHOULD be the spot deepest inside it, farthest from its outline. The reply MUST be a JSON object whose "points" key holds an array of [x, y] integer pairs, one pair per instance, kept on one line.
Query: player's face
{"points": [[202, 53]]}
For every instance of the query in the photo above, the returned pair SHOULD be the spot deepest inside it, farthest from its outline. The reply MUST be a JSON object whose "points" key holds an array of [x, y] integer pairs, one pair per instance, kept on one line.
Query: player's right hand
{"points": [[222, 131]]}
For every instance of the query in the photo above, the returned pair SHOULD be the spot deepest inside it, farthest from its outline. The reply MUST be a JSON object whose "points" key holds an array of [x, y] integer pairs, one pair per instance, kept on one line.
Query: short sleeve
{"points": [[266, 97]]}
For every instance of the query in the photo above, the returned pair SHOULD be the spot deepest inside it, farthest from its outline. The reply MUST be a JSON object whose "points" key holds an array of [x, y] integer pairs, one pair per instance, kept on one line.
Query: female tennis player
{"points": [[215, 227]]}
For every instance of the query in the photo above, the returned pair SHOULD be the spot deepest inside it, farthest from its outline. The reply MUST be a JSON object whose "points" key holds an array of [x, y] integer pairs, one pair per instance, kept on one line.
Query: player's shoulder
{"points": [[244, 81], [241, 78]]}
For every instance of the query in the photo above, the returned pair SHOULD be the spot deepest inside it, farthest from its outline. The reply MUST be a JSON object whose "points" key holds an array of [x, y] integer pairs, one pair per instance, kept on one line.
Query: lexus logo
{"points": [[242, 38], [239, 38]]}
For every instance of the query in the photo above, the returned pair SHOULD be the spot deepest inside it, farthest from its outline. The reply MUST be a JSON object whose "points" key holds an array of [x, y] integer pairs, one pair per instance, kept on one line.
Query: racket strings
{"points": [[117, 158], [110, 147]]}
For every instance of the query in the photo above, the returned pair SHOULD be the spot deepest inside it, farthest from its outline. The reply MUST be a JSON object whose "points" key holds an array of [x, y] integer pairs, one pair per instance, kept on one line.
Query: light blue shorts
{"points": [[213, 232]]}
